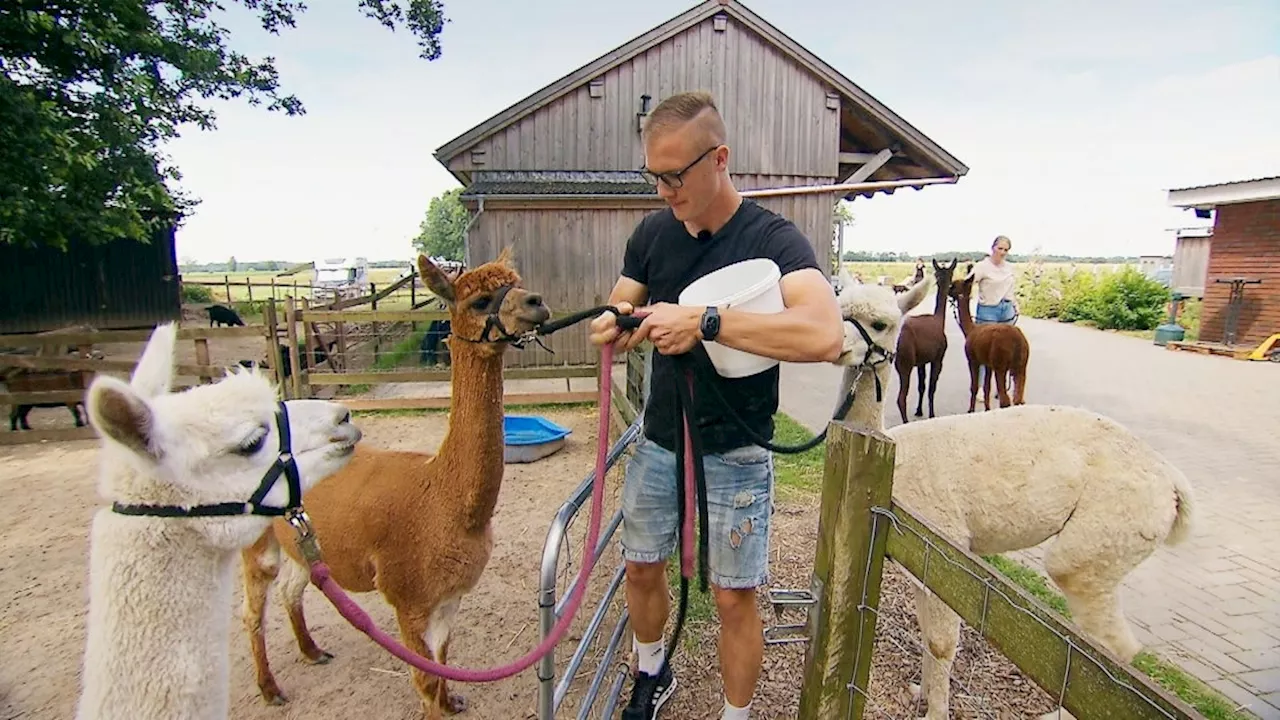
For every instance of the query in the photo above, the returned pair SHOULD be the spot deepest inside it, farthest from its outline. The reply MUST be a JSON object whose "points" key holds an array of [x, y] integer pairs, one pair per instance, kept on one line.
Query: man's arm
{"points": [[808, 330]]}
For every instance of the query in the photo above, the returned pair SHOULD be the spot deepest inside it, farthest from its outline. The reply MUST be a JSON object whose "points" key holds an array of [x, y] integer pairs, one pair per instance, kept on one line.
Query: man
{"points": [[706, 226]]}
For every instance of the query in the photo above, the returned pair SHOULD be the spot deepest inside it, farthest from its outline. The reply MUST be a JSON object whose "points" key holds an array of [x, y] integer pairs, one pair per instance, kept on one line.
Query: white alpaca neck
{"points": [[867, 412], [159, 611]]}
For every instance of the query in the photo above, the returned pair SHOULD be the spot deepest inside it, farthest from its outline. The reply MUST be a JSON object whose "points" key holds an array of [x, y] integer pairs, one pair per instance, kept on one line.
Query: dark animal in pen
{"points": [[223, 315], [433, 347], [305, 360], [25, 381]]}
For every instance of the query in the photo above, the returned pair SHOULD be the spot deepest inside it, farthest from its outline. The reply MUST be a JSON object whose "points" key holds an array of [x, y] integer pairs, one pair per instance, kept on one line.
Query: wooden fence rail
{"points": [[860, 526]]}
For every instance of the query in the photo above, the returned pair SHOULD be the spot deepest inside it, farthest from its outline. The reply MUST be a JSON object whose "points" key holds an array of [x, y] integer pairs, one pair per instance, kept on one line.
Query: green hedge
{"points": [[1124, 299]]}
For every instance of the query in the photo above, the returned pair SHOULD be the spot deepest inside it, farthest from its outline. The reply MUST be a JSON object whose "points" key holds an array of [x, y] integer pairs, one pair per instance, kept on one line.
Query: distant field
{"points": [[380, 277], [899, 271]]}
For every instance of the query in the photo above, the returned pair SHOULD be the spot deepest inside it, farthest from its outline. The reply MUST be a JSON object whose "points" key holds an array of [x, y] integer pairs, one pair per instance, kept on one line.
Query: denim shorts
{"points": [[1001, 312], [739, 503]]}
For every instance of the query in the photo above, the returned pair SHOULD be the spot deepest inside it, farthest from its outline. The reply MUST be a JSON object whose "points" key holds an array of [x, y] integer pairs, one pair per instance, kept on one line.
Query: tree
{"points": [[444, 231], [90, 89]]}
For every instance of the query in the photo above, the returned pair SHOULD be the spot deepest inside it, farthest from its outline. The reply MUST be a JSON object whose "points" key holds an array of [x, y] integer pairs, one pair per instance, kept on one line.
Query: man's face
{"points": [[684, 158]]}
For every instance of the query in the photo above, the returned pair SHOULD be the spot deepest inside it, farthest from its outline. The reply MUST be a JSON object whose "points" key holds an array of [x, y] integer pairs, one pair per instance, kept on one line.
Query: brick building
{"points": [[1246, 244]]}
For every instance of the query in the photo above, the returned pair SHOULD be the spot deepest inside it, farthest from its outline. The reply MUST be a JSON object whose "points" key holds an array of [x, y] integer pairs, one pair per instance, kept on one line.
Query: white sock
{"points": [[650, 654], [733, 712]]}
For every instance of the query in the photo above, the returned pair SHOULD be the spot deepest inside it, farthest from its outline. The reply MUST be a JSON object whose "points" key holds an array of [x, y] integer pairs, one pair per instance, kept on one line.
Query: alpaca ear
{"points": [[118, 412], [436, 280], [953, 263], [153, 375], [507, 257]]}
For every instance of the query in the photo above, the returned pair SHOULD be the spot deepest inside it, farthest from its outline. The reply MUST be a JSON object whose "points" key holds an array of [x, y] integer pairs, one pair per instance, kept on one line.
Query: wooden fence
{"points": [[201, 371], [860, 526], [303, 324]]}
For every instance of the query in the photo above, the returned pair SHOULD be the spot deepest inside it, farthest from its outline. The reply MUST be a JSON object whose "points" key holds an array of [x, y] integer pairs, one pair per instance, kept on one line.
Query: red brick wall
{"points": [[1246, 243]]}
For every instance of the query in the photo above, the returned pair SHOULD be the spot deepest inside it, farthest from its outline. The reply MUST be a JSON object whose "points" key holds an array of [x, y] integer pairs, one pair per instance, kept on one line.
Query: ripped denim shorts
{"points": [[739, 503]]}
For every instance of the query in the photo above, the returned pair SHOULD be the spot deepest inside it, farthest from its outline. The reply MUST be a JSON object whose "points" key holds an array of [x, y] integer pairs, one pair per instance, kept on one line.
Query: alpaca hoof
{"points": [[271, 694], [454, 704], [320, 657]]}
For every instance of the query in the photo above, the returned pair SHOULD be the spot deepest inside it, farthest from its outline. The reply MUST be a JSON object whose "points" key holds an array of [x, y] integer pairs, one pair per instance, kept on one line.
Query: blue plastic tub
{"points": [[527, 438]]}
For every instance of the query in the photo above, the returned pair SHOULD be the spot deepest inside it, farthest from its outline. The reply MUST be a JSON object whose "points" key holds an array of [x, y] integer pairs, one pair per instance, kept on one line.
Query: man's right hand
{"points": [[604, 329]]}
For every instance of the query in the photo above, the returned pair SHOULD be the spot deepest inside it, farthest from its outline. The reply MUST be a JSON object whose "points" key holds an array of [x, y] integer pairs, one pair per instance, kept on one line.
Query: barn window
{"points": [[596, 87], [477, 156], [720, 22], [833, 101]]}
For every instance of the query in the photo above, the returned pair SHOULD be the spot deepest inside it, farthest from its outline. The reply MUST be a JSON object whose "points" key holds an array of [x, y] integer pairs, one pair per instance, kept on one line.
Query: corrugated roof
{"points": [[1225, 184], [557, 182]]}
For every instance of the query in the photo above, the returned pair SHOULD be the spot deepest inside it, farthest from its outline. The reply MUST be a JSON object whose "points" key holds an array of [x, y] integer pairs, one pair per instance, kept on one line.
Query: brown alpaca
{"points": [[411, 525], [1003, 349], [923, 341]]}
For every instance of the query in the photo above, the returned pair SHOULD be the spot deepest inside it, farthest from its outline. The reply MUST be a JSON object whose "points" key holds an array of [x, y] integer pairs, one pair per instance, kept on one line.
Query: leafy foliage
{"points": [[444, 231], [1113, 300], [91, 89]]}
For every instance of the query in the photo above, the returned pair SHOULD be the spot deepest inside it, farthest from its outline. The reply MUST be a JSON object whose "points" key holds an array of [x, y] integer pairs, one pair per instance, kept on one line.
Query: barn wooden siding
{"points": [[782, 120], [571, 252], [117, 285], [1246, 243], [1190, 265]]}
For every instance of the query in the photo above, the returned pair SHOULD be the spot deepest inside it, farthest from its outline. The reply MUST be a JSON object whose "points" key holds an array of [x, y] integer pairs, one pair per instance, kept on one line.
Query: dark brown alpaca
{"points": [[923, 341], [1003, 349]]}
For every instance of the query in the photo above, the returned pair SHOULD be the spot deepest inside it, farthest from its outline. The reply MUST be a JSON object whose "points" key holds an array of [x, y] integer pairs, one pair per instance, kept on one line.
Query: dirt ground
{"points": [[49, 501], [50, 497]]}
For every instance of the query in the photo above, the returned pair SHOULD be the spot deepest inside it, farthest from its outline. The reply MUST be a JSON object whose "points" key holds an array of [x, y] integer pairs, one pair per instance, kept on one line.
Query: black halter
{"points": [[886, 356], [284, 465], [493, 321]]}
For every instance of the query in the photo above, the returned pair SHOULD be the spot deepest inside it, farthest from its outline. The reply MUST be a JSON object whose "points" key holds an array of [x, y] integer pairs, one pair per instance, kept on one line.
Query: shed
{"points": [[109, 286], [557, 174], [1245, 245]]}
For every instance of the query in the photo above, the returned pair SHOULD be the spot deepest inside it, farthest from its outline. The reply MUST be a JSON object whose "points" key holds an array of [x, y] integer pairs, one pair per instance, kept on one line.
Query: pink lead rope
{"points": [[358, 618]]}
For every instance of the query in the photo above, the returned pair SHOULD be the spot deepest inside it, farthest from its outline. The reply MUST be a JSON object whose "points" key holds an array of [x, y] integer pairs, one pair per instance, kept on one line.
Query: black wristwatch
{"points": [[710, 323]]}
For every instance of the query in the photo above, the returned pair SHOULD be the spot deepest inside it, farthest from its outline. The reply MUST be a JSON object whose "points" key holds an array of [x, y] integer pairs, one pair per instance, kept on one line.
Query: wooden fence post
{"points": [[846, 573], [291, 332], [248, 284], [273, 348]]}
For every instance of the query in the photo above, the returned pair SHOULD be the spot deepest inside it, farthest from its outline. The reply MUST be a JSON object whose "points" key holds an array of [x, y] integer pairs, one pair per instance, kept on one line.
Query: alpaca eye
{"points": [[482, 302], [879, 325], [253, 443]]}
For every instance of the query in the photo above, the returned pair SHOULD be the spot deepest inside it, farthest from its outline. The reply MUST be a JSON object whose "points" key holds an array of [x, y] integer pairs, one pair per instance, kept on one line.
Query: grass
{"points": [[801, 475]]}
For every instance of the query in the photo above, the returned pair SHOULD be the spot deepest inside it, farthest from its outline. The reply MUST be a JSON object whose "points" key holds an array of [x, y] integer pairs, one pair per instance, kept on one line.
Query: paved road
{"points": [[1213, 604]]}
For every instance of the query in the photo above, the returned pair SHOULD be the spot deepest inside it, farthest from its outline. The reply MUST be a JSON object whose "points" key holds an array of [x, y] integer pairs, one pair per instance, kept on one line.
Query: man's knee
{"points": [[646, 576], [735, 604]]}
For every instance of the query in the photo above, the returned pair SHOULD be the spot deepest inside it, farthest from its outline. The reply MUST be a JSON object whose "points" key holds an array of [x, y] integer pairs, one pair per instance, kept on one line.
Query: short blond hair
{"points": [[678, 110]]}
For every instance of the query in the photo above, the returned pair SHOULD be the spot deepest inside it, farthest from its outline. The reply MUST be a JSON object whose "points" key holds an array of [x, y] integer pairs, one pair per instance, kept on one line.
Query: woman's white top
{"points": [[994, 282]]}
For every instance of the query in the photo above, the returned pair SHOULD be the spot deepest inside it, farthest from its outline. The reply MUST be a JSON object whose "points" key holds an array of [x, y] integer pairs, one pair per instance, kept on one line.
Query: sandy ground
{"points": [[49, 501]]}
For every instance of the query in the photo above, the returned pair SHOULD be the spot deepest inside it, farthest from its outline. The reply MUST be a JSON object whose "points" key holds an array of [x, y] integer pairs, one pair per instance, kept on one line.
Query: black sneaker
{"points": [[649, 694]]}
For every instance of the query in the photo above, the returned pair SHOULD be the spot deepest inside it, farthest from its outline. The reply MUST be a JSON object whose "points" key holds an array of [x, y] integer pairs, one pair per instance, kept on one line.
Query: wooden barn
{"points": [[557, 173], [112, 286], [1243, 259]]}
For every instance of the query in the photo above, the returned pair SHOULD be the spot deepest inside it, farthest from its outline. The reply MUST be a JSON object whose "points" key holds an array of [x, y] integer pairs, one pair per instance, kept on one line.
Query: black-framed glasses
{"points": [[675, 179]]}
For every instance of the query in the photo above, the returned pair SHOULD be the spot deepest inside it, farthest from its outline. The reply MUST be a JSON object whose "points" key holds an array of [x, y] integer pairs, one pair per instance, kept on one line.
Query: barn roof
{"points": [[1207, 197], [869, 127], [557, 182]]}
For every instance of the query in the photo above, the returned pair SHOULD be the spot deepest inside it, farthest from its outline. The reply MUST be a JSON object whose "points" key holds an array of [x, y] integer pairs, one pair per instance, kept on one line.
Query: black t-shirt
{"points": [[662, 255]]}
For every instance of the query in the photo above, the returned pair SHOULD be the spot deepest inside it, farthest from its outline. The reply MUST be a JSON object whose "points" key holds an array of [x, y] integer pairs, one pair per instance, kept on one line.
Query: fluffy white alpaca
{"points": [[1007, 480], [160, 587]]}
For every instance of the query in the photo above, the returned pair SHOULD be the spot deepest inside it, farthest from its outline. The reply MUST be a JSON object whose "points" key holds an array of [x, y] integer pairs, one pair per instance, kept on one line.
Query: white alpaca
{"points": [[160, 587], [1007, 480]]}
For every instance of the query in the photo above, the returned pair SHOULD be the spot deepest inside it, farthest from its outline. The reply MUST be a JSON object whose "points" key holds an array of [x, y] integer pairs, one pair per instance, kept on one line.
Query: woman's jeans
{"points": [[1001, 312]]}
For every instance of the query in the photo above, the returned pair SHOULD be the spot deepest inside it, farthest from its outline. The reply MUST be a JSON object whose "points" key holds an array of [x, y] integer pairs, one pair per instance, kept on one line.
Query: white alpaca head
{"points": [[209, 444], [879, 311]]}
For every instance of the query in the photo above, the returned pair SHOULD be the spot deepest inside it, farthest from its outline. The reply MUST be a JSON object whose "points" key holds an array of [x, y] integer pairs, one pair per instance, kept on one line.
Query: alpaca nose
{"points": [[533, 300]]}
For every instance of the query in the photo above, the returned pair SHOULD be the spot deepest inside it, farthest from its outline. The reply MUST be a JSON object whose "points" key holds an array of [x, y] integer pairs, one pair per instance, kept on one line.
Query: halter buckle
{"points": [[308, 543]]}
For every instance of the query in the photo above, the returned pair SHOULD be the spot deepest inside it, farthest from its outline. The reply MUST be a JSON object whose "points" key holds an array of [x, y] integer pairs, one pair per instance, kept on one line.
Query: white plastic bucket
{"points": [[747, 286]]}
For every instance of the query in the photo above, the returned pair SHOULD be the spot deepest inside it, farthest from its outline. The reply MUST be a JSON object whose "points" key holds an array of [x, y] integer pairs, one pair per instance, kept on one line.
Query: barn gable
{"points": [[791, 117]]}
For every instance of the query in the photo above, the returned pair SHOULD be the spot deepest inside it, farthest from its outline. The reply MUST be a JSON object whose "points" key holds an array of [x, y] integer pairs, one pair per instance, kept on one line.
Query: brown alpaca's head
{"points": [[487, 306], [959, 290]]}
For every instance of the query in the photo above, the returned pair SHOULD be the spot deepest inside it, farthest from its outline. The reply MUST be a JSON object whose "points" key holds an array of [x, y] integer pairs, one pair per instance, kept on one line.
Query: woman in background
{"points": [[996, 283]]}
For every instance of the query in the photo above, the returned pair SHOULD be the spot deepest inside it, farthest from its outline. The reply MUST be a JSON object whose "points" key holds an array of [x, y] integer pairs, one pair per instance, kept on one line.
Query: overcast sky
{"points": [[1073, 116]]}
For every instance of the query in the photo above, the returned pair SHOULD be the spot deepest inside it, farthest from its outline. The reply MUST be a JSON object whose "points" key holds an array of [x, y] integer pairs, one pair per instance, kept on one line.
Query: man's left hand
{"points": [[673, 329]]}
